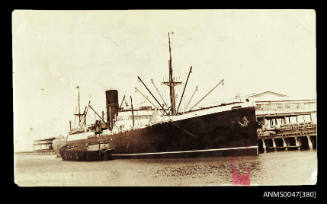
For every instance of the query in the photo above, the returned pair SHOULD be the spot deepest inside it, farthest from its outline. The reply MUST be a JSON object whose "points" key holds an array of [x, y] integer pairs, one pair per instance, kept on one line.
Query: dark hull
{"points": [[84, 155], [216, 134]]}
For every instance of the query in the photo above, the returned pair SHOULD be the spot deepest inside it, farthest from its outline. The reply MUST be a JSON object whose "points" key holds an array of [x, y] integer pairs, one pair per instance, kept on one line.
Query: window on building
{"points": [[280, 106], [293, 106], [298, 106], [280, 121], [300, 118], [307, 118], [273, 122], [259, 107], [314, 117], [267, 123], [274, 106], [307, 106], [293, 120], [266, 107]]}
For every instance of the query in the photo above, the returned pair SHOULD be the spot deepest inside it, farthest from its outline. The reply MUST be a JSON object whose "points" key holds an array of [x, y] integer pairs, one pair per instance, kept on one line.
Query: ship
{"points": [[160, 131]]}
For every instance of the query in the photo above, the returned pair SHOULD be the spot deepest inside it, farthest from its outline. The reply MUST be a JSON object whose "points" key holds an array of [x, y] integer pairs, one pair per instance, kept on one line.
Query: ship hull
{"points": [[228, 133]]}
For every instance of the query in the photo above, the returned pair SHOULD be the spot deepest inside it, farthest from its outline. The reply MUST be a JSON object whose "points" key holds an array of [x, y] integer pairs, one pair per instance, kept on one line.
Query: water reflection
{"points": [[277, 168]]}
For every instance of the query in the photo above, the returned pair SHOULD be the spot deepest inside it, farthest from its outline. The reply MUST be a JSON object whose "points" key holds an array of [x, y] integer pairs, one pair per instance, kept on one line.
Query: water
{"points": [[276, 168]]}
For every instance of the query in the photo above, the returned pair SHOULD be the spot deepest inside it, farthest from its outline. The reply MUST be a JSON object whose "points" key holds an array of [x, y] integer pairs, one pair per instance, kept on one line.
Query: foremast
{"points": [[81, 116], [171, 82]]}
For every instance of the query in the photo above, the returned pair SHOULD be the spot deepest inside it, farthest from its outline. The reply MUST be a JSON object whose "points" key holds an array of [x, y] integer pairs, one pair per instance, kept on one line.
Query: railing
{"points": [[301, 129]]}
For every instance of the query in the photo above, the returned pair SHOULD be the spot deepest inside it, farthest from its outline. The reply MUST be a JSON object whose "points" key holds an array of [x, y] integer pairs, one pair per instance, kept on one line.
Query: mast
{"points": [[132, 110], [79, 109], [171, 82], [79, 114]]}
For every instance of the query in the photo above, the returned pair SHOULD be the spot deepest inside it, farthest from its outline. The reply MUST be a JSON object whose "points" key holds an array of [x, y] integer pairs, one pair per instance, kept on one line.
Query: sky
{"points": [[54, 51]]}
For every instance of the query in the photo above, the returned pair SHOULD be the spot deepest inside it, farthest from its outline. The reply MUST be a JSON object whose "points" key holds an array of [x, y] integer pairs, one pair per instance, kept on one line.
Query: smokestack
{"points": [[70, 125], [112, 107]]}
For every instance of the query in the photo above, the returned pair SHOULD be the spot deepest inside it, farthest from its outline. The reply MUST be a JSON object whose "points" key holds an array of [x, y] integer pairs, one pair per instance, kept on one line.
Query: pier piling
{"points": [[284, 144], [264, 146], [310, 143], [298, 142], [274, 144]]}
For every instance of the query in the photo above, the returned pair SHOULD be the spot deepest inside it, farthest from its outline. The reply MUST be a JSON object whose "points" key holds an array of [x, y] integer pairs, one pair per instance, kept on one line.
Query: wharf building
{"points": [[285, 123], [44, 146]]}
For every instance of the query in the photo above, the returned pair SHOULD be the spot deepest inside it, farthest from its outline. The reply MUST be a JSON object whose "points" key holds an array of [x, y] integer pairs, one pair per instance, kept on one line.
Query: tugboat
{"points": [[163, 132]]}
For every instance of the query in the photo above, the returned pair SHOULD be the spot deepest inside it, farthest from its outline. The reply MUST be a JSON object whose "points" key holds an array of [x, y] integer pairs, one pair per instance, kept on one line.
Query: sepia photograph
{"points": [[194, 97]]}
